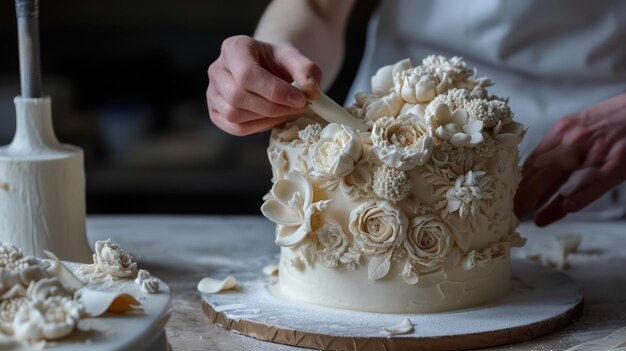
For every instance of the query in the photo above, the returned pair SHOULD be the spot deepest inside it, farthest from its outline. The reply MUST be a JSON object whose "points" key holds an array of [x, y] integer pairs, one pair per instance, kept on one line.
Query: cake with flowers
{"points": [[414, 214]]}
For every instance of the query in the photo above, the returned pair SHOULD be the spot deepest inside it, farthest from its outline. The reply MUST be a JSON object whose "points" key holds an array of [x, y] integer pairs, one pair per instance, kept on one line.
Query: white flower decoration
{"points": [[15, 269], [391, 184], [49, 319], [334, 244], [311, 134], [279, 162], [510, 134], [45, 288], [378, 226], [337, 151], [428, 241], [419, 85], [490, 112], [110, 258], [382, 81], [289, 131], [455, 127], [291, 206], [467, 192], [376, 107], [454, 69], [358, 183], [403, 142]]}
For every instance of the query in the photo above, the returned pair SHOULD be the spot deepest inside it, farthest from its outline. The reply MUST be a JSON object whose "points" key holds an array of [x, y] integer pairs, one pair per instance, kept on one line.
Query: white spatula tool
{"points": [[330, 111]]}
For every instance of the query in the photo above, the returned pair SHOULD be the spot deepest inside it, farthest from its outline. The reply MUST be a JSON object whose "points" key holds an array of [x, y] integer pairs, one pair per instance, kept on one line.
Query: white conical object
{"points": [[42, 187]]}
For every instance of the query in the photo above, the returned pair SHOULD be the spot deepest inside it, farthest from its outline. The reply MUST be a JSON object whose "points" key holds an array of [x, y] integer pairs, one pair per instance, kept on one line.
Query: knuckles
{"points": [[231, 114]]}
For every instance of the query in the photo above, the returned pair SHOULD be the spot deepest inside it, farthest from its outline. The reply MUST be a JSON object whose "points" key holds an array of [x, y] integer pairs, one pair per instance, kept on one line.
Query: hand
{"points": [[582, 157], [249, 85]]}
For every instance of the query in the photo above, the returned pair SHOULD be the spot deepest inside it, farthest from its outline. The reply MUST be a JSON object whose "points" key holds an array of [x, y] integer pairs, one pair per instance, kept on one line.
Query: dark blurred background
{"points": [[127, 81]]}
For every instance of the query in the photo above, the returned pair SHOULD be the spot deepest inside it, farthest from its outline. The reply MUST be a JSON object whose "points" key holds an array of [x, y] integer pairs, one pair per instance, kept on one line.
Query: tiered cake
{"points": [[415, 215]]}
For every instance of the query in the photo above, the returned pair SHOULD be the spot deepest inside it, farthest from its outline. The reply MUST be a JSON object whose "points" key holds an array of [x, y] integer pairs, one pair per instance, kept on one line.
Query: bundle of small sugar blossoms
{"points": [[429, 189]]}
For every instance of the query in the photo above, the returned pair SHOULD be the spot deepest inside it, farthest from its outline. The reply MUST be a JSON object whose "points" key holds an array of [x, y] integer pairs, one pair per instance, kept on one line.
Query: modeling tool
{"points": [[332, 112]]}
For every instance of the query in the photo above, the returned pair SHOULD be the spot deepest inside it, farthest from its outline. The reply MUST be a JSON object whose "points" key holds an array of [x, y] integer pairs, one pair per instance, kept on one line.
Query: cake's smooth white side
{"points": [[414, 216], [353, 290], [42, 192]]}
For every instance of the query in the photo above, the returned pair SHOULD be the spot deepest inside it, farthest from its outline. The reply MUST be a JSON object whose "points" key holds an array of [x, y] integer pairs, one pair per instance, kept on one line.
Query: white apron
{"points": [[552, 57]]}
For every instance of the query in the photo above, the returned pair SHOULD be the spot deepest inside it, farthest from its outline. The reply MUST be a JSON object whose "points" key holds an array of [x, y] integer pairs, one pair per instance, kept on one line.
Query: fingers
{"points": [[585, 186], [250, 82], [242, 63], [239, 105], [247, 128], [609, 176], [552, 212], [548, 172], [304, 71], [559, 207]]}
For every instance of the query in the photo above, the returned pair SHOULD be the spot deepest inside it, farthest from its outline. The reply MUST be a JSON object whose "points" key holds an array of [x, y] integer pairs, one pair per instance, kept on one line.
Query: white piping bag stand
{"points": [[42, 187]]}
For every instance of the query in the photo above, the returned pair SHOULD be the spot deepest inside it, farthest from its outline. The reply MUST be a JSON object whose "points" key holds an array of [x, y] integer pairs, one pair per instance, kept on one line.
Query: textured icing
{"points": [[416, 215]]}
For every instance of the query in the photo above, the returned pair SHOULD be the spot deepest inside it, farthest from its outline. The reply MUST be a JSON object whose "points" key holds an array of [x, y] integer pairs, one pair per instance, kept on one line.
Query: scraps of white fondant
{"points": [[404, 327], [271, 269], [557, 254], [97, 302], [57, 269], [213, 286]]}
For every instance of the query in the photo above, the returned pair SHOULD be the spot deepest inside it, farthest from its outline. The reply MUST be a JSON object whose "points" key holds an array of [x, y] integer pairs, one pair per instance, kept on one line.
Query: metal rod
{"points": [[27, 12]]}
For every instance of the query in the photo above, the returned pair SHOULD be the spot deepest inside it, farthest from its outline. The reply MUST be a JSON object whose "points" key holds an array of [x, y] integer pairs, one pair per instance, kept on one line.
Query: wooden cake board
{"points": [[542, 300]]}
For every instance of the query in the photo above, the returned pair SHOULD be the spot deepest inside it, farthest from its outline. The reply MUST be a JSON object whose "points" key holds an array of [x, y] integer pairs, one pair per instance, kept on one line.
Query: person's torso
{"points": [[551, 57]]}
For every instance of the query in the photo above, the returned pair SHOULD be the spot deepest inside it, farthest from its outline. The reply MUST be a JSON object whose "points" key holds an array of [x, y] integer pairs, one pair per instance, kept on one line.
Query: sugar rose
{"points": [[428, 241], [378, 226], [337, 151], [403, 142]]}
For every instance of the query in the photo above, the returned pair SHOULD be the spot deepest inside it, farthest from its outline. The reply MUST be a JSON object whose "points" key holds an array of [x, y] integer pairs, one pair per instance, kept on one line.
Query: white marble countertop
{"points": [[183, 249]]}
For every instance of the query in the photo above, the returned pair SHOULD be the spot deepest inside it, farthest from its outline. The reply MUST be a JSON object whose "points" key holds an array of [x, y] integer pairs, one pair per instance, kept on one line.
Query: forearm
{"points": [[316, 28]]}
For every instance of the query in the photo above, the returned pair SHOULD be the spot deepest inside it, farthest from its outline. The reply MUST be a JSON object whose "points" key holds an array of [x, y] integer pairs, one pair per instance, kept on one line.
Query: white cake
{"points": [[414, 215]]}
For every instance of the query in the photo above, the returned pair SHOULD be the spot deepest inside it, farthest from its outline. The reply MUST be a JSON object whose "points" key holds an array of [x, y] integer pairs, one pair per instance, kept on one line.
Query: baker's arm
{"points": [[315, 28], [249, 84]]}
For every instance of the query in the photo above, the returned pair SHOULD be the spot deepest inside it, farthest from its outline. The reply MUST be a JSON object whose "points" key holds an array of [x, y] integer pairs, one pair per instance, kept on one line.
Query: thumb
{"points": [[303, 71]]}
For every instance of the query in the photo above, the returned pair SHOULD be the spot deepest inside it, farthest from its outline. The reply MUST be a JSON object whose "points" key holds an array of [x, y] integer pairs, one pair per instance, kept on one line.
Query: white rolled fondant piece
{"points": [[42, 198]]}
